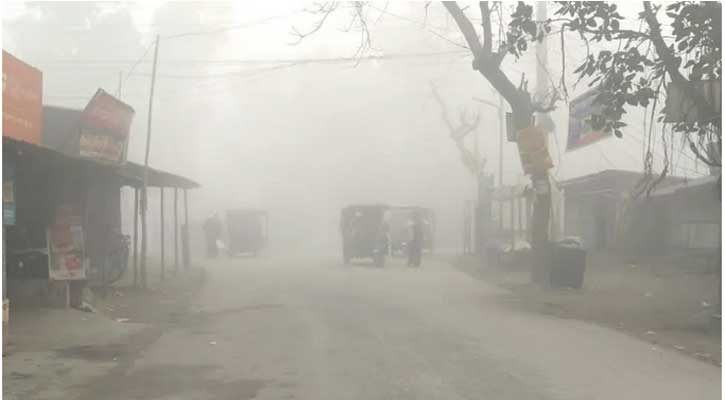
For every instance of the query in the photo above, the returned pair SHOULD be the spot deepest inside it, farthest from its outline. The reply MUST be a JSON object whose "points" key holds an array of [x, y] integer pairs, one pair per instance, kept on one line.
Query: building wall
{"points": [[103, 217], [695, 219], [688, 220], [593, 219]]}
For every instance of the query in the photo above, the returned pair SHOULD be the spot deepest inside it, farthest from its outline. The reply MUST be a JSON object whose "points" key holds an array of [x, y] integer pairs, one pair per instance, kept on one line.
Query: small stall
{"points": [[247, 231]]}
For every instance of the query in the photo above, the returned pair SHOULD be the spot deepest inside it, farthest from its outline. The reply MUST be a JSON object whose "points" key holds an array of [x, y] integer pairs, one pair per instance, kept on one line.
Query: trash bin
{"points": [[567, 262]]}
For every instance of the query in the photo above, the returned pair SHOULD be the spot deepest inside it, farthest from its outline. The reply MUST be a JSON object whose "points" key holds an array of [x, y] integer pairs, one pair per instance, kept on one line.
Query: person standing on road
{"points": [[415, 246], [212, 231]]}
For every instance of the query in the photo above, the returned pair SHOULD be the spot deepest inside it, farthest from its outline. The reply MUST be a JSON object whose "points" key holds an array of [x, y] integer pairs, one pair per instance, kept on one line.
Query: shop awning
{"points": [[134, 173], [60, 135], [129, 174]]}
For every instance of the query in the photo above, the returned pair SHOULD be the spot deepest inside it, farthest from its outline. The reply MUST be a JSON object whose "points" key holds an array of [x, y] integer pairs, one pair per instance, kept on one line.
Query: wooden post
{"points": [[512, 211], [521, 217], [501, 138], [176, 230], [186, 209], [144, 192], [135, 237], [187, 261], [163, 259]]}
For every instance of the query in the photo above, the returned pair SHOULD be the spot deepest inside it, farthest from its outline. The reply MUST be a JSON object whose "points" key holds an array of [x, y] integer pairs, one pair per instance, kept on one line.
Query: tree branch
{"points": [[486, 24], [672, 65], [459, 133], [444, 110], [464, 24], [326, 9], [464, 128], [498, 57], [489, 65], [699, 155]]}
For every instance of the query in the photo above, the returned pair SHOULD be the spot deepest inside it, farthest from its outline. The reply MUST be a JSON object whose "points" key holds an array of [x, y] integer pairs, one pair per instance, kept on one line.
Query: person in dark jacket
{"points": [[415, 245]]}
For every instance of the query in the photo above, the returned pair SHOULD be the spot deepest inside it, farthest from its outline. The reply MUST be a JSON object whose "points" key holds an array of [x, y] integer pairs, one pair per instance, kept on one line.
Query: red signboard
{"points": [[22, 100], [104, 128]]}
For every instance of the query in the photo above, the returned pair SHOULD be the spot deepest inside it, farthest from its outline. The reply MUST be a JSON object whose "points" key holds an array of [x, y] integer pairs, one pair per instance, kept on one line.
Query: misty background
{"points": [[298, 129]]}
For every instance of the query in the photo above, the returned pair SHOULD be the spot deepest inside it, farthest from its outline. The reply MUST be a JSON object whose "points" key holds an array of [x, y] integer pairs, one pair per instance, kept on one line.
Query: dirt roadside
{"points": [[67, 354], [665, 306]]}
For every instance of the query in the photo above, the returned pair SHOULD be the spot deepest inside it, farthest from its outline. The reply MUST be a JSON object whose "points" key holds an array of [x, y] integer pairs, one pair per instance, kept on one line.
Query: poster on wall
{"points": [[104, 129], [581, 132], [22, 100], [67, 255], [9, 194]]}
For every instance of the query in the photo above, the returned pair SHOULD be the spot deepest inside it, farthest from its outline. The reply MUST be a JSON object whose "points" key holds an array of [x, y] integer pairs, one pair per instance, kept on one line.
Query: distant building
{"points": [[685, 217], [595, 206]]}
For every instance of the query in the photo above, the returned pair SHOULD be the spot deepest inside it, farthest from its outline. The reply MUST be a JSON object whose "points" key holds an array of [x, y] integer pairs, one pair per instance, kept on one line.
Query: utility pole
{"points": [[144, 189], [477, 206], [542, 189], [501, 138], [120, 84]]}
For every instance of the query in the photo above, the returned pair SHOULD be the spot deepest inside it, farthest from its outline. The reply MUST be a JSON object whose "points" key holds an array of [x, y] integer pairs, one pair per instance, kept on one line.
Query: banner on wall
{"points": [[8, 193], [581, 132], [67, 255]]}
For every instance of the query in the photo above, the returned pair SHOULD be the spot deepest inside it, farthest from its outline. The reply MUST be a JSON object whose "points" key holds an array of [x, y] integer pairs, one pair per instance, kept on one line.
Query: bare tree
{"points": [[458, 134]]}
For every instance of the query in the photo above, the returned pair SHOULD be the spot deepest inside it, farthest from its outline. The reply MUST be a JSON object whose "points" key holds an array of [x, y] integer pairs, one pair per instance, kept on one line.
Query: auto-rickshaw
{"points": [[365, 234], [247, 231], [400, 218]]}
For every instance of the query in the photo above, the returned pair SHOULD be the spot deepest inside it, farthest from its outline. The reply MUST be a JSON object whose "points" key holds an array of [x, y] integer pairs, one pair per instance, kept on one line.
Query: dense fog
{"points": [[299, 129]]}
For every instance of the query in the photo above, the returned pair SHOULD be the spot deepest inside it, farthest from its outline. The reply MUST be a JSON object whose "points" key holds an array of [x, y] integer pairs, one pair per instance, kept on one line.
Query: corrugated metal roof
{"points": [[688, 184], [61, 134], [611, 179]]}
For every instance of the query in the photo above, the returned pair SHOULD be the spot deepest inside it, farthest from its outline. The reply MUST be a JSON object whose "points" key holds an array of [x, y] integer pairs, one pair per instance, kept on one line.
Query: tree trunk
{"points": [[488, 64], [540, 230]]}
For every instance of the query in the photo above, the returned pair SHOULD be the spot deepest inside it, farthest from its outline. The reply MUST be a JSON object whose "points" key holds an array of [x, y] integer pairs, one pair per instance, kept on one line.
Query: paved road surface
{"points": [[271, 328]]}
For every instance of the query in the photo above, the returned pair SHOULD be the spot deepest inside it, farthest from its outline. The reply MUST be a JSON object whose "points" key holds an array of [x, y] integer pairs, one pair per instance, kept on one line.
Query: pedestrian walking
{"points": [[212, 232], [415, 245]]}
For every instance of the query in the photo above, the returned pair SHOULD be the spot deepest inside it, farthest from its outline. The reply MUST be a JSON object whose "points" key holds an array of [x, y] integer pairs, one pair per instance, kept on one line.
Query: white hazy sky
{"points": [[317, 136]]}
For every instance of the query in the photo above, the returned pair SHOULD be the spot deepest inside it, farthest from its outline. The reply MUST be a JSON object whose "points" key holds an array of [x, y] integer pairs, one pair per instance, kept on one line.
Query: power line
{"points": [[316, 60], [231, 27], [130, 73], [208, 84]]}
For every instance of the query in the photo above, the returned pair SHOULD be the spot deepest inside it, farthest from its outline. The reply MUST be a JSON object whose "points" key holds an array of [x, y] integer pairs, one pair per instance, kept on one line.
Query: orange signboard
{"points": [[105, 125], [22, 100], [533, 150]]}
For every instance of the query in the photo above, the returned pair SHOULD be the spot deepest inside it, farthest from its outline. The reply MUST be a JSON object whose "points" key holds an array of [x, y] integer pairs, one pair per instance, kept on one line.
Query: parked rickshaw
{"points": [[247, 231], [400, 218], [365, 233]]}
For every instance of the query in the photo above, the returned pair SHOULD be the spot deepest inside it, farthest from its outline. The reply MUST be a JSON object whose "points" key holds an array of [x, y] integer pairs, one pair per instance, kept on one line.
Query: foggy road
{"points": [[273, 328]]}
